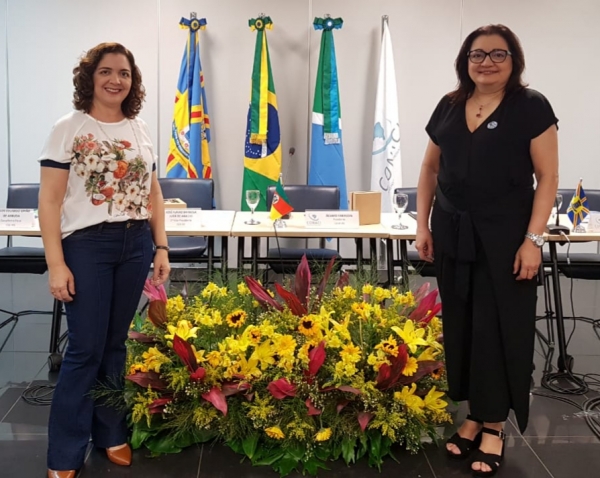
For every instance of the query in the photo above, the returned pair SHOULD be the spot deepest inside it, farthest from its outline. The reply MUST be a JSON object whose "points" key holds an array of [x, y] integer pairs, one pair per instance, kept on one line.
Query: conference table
{"points": [[295, 227], [564, 361], [213, 223]]}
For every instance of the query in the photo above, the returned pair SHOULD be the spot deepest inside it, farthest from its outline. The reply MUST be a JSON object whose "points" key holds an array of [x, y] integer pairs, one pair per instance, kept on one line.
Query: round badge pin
{"points": [[492, 125]]}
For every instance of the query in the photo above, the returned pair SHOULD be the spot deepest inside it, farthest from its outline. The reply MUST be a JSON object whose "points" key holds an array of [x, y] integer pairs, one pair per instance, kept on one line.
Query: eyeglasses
{"points": [[497, 56]]}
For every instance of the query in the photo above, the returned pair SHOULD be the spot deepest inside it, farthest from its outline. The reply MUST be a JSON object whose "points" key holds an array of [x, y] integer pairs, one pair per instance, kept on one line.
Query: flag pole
{"points": [[382, 241]]}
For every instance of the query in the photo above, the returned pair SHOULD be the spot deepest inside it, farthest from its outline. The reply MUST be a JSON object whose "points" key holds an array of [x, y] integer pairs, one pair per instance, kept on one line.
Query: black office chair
{"points": [[423, 268], [196, 193], [305, 197], [28, 260]]}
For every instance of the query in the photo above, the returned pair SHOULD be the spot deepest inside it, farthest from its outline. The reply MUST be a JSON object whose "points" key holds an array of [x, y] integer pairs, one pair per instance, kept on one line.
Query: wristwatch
{"points": [[537, 239], [164, 248]]}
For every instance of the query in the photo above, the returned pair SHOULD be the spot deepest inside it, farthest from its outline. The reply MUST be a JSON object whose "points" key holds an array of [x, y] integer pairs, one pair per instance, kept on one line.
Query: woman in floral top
{"points": [[101, 212]]}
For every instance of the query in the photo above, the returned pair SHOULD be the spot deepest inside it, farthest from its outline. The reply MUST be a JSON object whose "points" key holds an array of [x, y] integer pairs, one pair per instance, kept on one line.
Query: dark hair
{"points": [[83, 80], [466, 86]]}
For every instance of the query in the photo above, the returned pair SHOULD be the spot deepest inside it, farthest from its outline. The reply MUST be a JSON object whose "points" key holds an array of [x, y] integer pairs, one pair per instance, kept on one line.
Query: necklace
{"points": [[478, 115], [137, 141]]}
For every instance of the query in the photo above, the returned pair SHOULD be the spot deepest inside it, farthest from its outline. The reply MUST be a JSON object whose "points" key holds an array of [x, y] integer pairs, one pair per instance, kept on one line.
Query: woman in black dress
{"points": [[488, 139]]}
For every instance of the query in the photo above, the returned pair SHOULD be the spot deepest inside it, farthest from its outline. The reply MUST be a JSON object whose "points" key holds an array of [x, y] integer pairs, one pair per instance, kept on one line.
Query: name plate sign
{"points": [[18, 218], [183, 219], [331, 219], [594, 224]]}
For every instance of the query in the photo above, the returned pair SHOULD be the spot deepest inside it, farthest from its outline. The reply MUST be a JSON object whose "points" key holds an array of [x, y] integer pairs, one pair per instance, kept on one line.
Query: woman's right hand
{"points": [[424, 244], [61, 282]]}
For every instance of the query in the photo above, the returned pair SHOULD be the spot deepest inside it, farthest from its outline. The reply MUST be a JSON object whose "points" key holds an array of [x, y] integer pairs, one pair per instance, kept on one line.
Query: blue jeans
{"points": [[110, 263]]}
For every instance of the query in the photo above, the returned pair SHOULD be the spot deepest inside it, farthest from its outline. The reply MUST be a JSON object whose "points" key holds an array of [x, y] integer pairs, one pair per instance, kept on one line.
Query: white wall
{"points": [[3, 111], [45, 39]]}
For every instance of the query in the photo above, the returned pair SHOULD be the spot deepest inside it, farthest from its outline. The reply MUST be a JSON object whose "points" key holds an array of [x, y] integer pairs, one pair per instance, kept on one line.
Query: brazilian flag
{"points": [[262, 152]]}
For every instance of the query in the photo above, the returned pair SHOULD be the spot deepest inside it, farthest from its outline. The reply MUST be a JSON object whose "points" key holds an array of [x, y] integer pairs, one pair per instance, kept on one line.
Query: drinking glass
{"points": [[252, 199], [557, 205], [400, 202]]}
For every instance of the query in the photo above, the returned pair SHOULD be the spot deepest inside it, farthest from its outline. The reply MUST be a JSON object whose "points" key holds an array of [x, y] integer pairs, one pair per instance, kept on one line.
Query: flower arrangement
{"points": [[290, 383], [110, 177]]}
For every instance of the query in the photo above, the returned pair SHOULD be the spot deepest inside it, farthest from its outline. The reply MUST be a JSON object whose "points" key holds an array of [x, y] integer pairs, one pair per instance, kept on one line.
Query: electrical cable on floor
{"points": [[39, 396]]}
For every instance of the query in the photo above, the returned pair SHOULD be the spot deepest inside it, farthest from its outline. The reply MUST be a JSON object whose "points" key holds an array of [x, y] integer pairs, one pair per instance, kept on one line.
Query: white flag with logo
{"points": [[386, 168]]}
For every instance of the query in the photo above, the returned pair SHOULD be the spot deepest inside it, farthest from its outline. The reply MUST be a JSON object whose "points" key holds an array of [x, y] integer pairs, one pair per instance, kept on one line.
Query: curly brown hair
{"points": [[465, 85], [83, 80]]}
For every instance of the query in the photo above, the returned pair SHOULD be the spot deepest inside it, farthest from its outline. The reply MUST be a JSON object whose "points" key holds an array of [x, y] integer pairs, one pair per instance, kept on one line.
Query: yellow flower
{"points": [[344, 370], [428, 354], [412, 337], [394, 292], [247, 368], [175, 306], [266, 328], [285, 345], [214, 358], [210, 290], [412, 401], [243, 289], [275, 432], [433, 400], [377, 360], [309, 325], [349, 292], [381, 294], [389, 346], [333, 340], [264, 354], [367, 289], [223, 291], [323, 434], [350, 353], [154, 358], [184, 329], [253, 334], [411, 367], [236, 319], [362, 309], [407, 299], [137, 367]]}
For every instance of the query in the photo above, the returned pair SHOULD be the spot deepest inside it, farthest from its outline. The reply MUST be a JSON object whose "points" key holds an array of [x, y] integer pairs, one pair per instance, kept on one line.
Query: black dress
{"points": [[480, 216]]}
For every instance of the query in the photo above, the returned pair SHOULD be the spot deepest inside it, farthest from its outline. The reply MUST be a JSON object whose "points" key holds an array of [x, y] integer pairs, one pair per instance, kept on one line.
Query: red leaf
{"points": [[311, 409], [342, 388], [343, 281], [155, 292], [158, 405], [249, 396], [232, 388], [316, 357], [389, 375], [147, 379], [184, 351], [157, 313], [261, 294], [142, 338], [422, 292], [198, 375], [325, 279], [302, 282], [434, 311], [281, 388], [216, 397], [363, 419], [292, 301], [425, 368], [341, 405], [424, 306]]}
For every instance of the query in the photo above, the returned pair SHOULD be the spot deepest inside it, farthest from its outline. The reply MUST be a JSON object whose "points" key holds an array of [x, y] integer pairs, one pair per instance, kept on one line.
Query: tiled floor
{"points": [[557, 443]]}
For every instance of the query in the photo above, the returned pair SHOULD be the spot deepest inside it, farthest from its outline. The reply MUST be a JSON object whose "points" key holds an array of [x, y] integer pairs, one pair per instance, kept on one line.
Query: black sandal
{"points": [[490, 459], [465, 445]]}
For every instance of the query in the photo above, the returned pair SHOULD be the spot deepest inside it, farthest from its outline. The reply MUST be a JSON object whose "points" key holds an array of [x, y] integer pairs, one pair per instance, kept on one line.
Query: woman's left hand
{"points": [[162, 267], [527, 260]]}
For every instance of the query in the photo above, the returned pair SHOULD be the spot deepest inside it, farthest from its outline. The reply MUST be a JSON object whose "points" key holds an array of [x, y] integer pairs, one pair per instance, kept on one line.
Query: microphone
{"points": [[557, 228]]}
